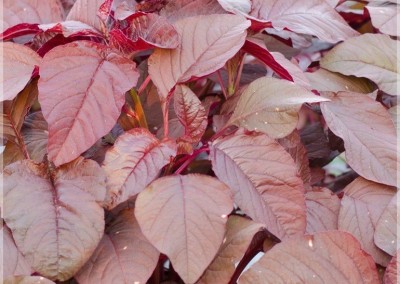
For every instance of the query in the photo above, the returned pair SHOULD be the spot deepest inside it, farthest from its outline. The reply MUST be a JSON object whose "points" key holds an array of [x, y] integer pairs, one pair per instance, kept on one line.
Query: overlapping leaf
{"points": [[386, 237], [32, 12], [368, 133], [184, 217], [124, 255], [372, 56], [271, 106], [391, 272], [88, 102], [362, 205], [35, 134], [264, 180], [322, 210], [239, 234], [15, 264], [27, 280], [59, 236], [207, 42], [326, 257], [85, 11], [191, 114], [324, 80], [384, 17], [312, 17], [133, 162], [18, 63]]}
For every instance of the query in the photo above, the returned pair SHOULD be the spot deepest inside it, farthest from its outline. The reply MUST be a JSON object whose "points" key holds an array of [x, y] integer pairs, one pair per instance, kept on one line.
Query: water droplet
{"points": [[125, 247], [265, 122], [381, 11], [24, 9], [224, 240], [155, 128], [277, 108], [224, 216], [255, 128], [393, 242], [386, 221], [256, 113], [310, 243], [117, 233], [136, 282], [314, 276], [346, 87]]}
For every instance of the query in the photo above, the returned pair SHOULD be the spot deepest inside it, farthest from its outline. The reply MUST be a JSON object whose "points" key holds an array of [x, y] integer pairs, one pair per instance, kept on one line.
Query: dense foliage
{"points": [[204, 141]]}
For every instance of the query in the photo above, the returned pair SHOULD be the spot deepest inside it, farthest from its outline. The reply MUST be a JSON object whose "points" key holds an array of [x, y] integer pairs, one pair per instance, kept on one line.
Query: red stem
{"points": [[191, 158], [144, 84]]}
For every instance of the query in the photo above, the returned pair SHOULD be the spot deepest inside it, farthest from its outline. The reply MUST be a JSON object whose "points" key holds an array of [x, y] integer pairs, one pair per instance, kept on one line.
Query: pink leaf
{"points": [[362, 205], [59, 236], [15, 263], [71, 28], [31, 12], [322, 210], [368, 132], [134, 161], [386, 237], [19, 61], [313, 17], [391, 273], [262, 53], [327, 257], [372, 56], [264, 180], [179, 9], [190, 113], [27, 280], [124, 255], [35, 134], [184, 217], [239, 234], [145, 32], [271, 106], [85, 11], [207, 42], [384, 17], [87, 105]]}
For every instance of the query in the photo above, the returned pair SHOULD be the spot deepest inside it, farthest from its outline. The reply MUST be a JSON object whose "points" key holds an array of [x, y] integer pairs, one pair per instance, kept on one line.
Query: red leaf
{"points": [[262, 53], [328, 257], [19, 30], [207, 42], [184, 217], [85, 11], [264, 180], [59, 236], [20, 62], [391, 273], [87, 105], [134, 161], [191, 114], [124, 255]]}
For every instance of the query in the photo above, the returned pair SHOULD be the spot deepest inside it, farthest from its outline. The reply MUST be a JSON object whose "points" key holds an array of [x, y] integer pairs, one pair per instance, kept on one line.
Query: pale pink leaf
{"points": [[391, 273], [134, 161], [386, 237], [124, 255], [88, 102], [85, 11], [184, 217], [179, 9], [313, 17], [368, 132], [207, 42], [239, 234], [327, 257], [191, 113], [27, 280], [15, 263], [31, 11], [361, 206], [242, 7], [372, 56], [324, 80], [18, 63], [271, 106], [55, 215], [384, 17], [35, 134], [322, 210], [264, 180]]}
